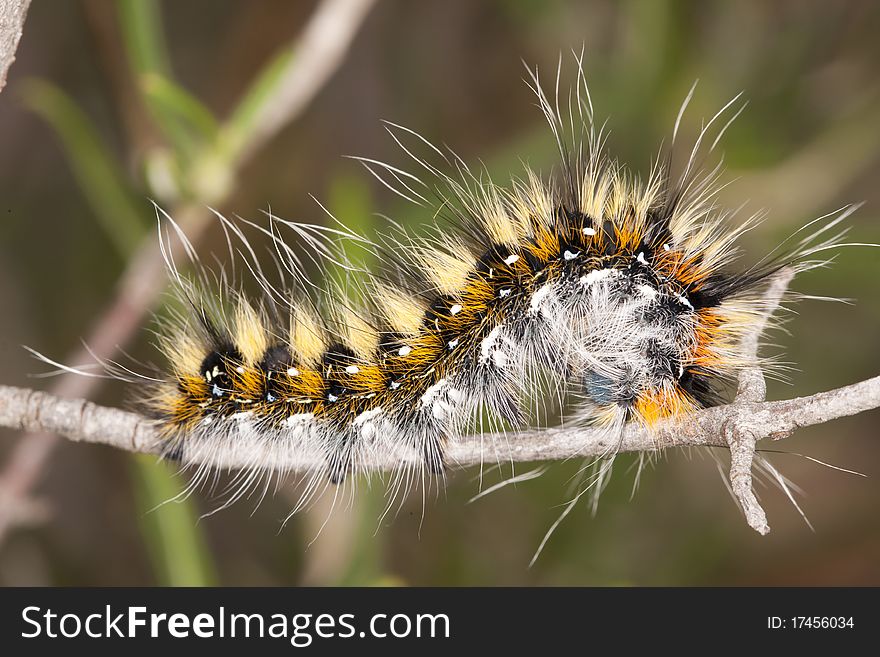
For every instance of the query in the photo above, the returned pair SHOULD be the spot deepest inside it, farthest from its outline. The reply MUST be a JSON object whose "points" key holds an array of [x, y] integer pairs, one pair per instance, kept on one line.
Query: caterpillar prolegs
{"points": [[619, 297]]}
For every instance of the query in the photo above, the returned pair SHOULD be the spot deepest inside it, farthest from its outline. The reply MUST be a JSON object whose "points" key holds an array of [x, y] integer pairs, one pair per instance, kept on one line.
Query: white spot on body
{"points": [[540, 299], [453, 343], [405, 350], [685, 301], [490, 349], [239, 369], [666, 247], [569, 255], [647, 291], [292, 371], [366, 416], [433, 391], [512, 258], [365, 424], [394, 385], [505, 292], [352, 369], [589, 231], [439, 396], [595, 276], [298, 418], [455, 309], [641, 258], [331, 397], [433, 396]]}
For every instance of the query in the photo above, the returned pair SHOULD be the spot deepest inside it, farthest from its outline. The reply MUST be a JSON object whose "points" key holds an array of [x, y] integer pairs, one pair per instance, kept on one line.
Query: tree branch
{"points": [[12, 15], [752, 389], [82, 421]]}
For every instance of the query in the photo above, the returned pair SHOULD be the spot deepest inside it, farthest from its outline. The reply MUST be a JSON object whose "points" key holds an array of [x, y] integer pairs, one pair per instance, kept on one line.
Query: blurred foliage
{"points": [[808, 143]]}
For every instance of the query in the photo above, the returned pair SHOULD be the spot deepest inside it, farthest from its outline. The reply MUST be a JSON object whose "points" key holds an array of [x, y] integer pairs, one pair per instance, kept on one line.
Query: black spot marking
{"points": [[275, 361], [277, 358], [337, 355], [647, 252], [494, 259], [658, 225], [699, 387], [334, 361], [609, 239], [437, 316], [533, 261], [390, 341], [216, 368], [662, 358], [664, 311]]}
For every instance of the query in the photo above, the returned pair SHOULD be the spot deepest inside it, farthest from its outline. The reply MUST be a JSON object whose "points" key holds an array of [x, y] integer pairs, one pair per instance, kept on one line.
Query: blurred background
{"points": [[110, 104]]}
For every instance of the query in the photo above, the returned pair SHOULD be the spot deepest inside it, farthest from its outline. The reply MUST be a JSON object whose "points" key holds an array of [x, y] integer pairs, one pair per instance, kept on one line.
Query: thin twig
{"points": [[752, 389], [82, 421], [144, 279], [314, 58]]}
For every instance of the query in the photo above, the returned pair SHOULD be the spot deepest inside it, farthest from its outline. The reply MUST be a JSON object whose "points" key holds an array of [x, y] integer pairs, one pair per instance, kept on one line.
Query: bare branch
{"points": [[83, 421], [12, 15], [742, 453], [752, 389]]}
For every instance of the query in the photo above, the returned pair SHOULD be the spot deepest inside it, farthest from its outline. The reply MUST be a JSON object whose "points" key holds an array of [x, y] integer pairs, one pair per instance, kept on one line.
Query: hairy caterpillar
{"points": [[616, 296]]}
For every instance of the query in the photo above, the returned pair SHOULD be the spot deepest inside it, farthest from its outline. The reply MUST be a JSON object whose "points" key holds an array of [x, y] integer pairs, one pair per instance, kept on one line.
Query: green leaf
{"points": [[186, 123], [94, 168], [177, 548], [182, 116], [141, 22]]}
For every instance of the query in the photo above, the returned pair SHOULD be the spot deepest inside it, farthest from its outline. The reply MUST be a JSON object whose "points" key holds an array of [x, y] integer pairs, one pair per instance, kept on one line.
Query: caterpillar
{"points": [[618, 298]]}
